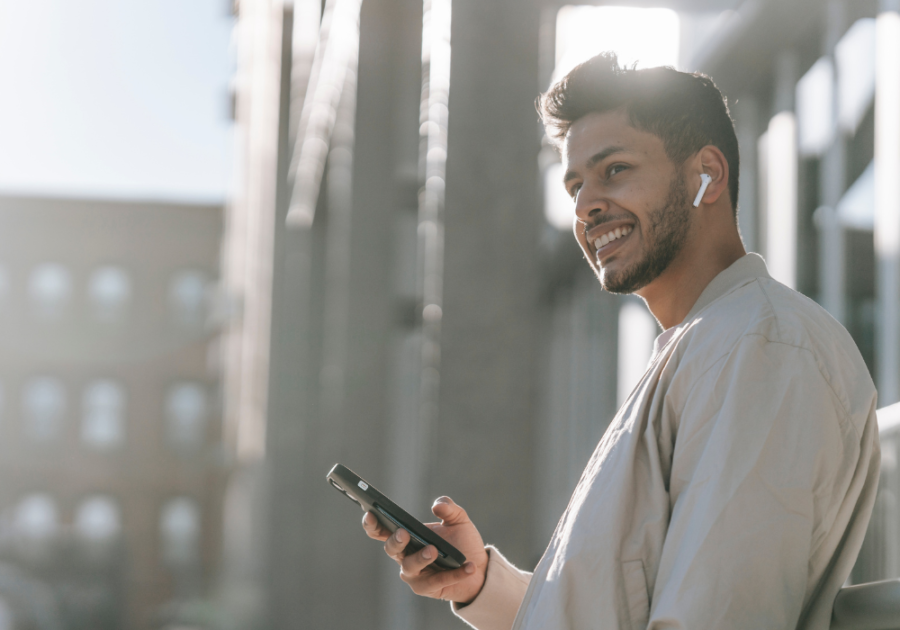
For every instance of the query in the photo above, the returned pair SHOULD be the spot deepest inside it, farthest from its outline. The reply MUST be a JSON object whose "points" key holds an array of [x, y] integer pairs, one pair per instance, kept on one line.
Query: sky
{"points": [[648, 37], [119, 99]]}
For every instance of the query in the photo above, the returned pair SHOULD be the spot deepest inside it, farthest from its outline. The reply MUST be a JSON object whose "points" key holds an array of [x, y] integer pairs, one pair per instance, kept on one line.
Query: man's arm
{"points": [[767, 477]]}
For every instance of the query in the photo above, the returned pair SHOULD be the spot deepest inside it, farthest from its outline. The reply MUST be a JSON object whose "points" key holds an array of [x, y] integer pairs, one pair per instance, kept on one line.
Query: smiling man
{"points": [[734, 486]]}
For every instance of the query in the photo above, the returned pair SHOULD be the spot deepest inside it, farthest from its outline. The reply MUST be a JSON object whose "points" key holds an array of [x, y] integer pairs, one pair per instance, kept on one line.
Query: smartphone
{"points": [[392, 517]]}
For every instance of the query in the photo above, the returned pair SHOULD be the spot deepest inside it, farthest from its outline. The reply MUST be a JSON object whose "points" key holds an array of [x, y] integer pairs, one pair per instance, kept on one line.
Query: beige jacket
{"points": [[732, 490]]}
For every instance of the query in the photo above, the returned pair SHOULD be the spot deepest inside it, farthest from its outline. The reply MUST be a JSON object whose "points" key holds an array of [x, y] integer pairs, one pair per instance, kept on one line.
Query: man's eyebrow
{"points": [[594, 159]]}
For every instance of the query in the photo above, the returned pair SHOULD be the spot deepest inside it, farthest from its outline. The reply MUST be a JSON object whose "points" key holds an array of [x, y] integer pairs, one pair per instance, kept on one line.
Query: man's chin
{"points": [[620, 281]]}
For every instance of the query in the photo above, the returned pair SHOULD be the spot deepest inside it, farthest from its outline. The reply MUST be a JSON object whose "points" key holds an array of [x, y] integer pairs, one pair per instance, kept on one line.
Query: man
{"points": [[734, 486]]}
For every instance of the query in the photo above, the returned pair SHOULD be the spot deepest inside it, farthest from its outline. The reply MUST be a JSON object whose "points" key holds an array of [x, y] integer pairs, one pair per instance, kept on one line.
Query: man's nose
{"points": [[589, 204]]}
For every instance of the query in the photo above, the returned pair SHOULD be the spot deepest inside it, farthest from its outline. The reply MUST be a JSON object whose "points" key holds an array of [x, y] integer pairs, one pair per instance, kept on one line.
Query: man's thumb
{"points": [[448, 511]]}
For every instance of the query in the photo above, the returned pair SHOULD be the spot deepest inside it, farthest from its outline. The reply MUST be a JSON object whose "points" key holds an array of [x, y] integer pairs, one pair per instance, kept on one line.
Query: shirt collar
{"points": [[741, 271]]}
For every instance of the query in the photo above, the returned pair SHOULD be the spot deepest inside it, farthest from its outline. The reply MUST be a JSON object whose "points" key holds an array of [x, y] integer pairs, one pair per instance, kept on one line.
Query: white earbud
{"points": [[706, 179]]}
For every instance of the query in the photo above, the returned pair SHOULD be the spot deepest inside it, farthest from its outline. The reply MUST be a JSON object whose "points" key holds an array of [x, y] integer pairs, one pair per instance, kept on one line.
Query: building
{"points": [[111, 464]]}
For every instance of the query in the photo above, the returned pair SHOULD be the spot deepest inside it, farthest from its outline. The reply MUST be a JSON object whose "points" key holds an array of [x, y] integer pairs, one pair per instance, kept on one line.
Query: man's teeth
{"points": [[608, 238]]}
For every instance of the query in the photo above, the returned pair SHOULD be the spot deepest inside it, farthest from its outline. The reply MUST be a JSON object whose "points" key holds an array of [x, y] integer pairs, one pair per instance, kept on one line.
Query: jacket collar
{"points": [[741, 271]]}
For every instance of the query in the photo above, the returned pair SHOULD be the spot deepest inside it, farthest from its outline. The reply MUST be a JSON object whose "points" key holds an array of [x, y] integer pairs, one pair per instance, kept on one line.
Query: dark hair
{"points": [[687, 111]]}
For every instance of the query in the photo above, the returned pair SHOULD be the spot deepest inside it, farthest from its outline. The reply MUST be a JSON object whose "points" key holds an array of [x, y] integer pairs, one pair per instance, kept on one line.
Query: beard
{"points": [[665, 237]]}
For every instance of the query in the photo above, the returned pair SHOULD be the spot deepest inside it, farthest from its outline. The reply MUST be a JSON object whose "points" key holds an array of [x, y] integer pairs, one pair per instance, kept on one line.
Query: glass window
{"points": [[36, 517], [44, 406], [103, 424], [856, 209], [180, 531], [815, 108], [187, 296], [186, 411], [50, 288], [854, 57], [98, 519], [109, 290]]}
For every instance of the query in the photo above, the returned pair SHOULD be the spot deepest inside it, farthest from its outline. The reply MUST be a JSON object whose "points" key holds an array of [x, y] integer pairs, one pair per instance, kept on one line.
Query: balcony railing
{"points": [[873, 603]]}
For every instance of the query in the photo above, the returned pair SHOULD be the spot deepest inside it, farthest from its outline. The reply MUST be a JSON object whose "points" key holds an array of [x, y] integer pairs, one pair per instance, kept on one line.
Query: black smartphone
{"points": [[392, 517]]}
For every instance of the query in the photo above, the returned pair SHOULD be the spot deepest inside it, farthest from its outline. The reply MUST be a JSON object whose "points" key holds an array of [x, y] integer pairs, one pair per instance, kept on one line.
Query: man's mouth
{"points": [[611, 240]]}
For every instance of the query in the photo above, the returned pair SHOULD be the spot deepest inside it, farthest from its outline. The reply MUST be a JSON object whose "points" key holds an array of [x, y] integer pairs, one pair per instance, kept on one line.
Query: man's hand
{"points": [[460, 585]]}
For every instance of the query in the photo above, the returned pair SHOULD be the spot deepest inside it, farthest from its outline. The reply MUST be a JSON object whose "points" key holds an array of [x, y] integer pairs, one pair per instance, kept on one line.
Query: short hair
{"points": [[686, 110]]}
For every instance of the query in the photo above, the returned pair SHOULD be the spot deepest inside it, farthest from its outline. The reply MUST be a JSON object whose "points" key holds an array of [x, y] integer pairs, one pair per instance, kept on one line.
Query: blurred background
{"points": [[242, 240]]}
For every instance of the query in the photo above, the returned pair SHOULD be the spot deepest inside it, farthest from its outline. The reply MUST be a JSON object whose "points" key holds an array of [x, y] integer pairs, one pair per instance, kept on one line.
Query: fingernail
{"points": [[426, 553], [442, 500], [398, 535], [469, 567]]}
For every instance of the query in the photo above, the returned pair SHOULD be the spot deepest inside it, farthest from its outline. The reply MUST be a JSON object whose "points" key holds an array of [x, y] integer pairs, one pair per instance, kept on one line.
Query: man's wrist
{"points": [[483, 581]]}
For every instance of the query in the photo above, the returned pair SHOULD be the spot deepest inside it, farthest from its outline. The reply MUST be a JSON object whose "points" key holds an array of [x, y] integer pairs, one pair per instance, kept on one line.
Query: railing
{"points": [[871, 604]]}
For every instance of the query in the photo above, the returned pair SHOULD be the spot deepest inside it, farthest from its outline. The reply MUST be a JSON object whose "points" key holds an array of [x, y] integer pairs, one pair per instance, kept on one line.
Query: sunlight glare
{"points": [[649, 37]]}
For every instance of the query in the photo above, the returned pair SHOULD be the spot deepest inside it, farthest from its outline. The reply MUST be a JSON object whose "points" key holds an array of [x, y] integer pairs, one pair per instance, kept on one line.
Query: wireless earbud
{"points": [[706, 179]]}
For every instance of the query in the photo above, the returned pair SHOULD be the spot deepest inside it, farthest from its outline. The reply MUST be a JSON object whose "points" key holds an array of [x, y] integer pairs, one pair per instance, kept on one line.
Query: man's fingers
{"points": [[449, 513], [395, 545], [413, 564], [373, 528]]}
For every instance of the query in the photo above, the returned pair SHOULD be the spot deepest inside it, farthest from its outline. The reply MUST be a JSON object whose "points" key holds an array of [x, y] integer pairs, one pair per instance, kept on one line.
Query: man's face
{"points": [[632, 210]]}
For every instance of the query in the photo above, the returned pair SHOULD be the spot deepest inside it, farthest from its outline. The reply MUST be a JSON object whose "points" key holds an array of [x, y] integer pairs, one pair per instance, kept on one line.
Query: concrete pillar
{"points": [[781, 176], [482, 448], [291, 387], [832, 259], [832, 183], [333, 325], [887, 200], [251, 273], [746, 119], [578, 383]]}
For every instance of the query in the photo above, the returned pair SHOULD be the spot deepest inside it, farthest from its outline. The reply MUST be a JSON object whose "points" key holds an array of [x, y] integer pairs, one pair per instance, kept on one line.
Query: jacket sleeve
{"points": [[496, 605], [765, 477]]}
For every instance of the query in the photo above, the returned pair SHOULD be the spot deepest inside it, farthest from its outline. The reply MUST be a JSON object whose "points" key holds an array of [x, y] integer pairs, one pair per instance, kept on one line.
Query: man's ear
{"points": [[709, 161]]}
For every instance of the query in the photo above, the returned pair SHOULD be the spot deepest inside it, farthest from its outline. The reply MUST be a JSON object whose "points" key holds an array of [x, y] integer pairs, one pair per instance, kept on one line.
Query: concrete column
{"points": [[832, 259], [887, 200], [250, 274], [333, 323], [578, 383], [482, 449], [781, 176], [746, 118], [291, 388], [832, 184]]}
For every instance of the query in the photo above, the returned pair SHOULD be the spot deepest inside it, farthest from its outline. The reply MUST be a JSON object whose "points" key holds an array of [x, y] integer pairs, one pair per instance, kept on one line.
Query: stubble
{"points": [[666, 235]]}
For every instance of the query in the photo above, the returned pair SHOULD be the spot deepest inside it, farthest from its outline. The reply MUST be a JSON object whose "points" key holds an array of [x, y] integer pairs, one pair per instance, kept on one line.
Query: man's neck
{"points": [[672, 295]]}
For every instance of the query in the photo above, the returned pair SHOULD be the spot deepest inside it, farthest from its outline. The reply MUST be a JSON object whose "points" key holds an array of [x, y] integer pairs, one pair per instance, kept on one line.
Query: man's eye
{"points": [[615, 168], [573, 192]]}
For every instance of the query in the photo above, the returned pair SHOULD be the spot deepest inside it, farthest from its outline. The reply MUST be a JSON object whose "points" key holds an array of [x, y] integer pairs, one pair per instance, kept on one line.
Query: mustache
{"points": [[590, 225]]}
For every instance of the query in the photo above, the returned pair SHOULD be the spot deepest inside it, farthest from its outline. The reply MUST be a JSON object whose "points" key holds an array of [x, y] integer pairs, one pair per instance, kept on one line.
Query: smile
{"points": [[611, 236]]}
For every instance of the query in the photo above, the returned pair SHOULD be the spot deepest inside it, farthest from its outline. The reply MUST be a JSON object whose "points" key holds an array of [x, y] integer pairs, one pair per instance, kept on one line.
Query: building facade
{"points": [[111, 465]]}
